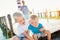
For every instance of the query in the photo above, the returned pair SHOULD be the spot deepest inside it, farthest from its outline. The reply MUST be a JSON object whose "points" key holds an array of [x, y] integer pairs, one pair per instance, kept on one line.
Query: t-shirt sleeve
{"points": [[30, 32], [40, 25], [29, 27], [17, 30]]}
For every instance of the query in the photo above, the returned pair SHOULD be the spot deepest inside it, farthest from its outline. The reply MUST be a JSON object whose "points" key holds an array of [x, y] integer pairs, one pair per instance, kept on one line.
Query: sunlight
{"points": [[10, 6]]}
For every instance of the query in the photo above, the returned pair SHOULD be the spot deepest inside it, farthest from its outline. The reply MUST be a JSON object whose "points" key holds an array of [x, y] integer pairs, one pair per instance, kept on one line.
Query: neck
{"points": [[22, 24], [23, 4], [16, 21], [35, 25]]}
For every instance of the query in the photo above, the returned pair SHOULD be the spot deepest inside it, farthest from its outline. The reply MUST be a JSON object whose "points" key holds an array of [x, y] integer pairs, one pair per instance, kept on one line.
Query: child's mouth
{"points": [[23, 22]]}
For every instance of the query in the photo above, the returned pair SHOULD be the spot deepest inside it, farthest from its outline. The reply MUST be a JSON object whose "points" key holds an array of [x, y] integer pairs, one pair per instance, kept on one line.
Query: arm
{"points": [[29, 11], [27, 32], [35, 37], [42, 29], [27, 36]]}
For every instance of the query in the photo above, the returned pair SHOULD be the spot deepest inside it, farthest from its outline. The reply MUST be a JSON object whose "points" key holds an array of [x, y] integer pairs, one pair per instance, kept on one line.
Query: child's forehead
{"points": [[21, 17], [35, 19]]}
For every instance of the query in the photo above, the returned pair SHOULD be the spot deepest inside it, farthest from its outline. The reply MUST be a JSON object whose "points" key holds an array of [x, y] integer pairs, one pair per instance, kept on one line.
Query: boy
{"points": [[37, 28], [20, 27]]}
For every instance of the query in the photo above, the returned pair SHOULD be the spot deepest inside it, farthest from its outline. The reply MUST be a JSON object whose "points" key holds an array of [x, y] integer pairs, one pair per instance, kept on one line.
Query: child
{"points": [[20, 27], [37, 28]]}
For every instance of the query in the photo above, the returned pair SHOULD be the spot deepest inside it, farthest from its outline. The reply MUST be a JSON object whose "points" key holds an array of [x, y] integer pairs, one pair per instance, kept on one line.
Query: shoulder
{"points": [[24, 6], [30, 26], [40, 25], [15, 25]]}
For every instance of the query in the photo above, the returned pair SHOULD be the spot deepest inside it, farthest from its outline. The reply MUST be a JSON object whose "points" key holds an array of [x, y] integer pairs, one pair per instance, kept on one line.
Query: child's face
{"points": [[21, 20], [34, 21]]}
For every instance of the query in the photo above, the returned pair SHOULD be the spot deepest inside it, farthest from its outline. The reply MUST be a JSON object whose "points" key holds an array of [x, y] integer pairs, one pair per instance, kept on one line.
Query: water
{"points": [[1, 35]]}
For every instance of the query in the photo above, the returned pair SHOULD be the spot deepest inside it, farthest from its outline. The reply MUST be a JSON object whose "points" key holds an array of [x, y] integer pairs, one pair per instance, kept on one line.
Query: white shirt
{"points": [[19, 29]]}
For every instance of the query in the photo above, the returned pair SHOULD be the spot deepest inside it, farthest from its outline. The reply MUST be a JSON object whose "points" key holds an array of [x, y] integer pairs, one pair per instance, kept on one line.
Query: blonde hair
{"points": [[17, 14], [33, 16]]}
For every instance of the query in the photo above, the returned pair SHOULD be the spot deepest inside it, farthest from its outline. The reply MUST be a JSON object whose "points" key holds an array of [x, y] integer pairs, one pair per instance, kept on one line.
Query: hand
{"points": [[31, 39]]}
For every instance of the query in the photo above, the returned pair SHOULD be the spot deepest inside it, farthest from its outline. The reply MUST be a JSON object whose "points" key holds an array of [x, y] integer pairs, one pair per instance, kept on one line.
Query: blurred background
{"points": [[48, 12]]}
